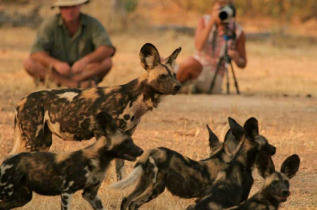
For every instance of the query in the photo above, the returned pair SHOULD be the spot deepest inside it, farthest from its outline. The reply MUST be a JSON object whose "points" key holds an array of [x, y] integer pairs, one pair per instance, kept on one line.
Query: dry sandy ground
{"points": [[274, 89]]}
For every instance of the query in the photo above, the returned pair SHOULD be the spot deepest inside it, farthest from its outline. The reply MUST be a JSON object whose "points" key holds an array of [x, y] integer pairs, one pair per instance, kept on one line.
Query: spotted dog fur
{"points": [[63, 174], [162, 168], [276, 185], [68, 113], [233, 183]]}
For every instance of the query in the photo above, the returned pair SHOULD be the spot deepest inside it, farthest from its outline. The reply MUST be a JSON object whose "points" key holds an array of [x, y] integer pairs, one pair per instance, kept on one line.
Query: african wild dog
{"points": [[276, 185], [48, 173], [68, 113], [233, 182], [162, 168], [264, 146]]}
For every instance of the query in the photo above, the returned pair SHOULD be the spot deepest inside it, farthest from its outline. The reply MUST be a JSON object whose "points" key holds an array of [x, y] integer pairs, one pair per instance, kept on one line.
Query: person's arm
{"points": [[41, 48], [100, 54], [239, 55], [203, 30], [103, 47], [202, 33], [45, 59]]}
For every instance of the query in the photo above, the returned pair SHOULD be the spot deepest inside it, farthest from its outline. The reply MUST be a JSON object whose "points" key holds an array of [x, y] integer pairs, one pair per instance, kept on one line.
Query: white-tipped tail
{"points": [[133, 177], [19, 144]]}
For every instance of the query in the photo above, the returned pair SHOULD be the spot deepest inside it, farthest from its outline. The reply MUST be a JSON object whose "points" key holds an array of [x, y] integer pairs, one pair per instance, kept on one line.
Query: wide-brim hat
{"points": [[68, 3]]}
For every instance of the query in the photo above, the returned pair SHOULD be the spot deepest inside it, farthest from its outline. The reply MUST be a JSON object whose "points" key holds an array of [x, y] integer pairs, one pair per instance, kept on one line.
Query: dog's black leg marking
{"points": [[65, 201], [90, 195], [47, 138], [119, 168]]}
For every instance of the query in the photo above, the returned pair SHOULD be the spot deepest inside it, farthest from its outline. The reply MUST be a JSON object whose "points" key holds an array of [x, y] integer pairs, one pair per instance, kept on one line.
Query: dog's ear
{"points": [[149, 56], [236, 129], [233, 137], [251, 128], [230, 143], [264, 164], [213, 139], [290, 166], [105, 124], [171, 59]]}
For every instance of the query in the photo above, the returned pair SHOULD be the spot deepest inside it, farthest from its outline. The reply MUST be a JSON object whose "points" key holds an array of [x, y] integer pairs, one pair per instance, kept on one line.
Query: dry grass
{"points": [[274, 88]]}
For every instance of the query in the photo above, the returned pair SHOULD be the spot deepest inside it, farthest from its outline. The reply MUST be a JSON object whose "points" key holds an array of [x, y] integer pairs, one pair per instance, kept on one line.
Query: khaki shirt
{"points": [[53, 38]]}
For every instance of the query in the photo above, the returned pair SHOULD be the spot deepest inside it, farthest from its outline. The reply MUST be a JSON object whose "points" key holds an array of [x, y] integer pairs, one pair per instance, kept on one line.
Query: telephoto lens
{"points": [[226, 13]]}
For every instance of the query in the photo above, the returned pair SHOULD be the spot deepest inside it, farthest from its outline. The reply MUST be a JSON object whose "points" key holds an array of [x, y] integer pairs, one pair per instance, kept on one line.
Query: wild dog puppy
{"points": [[63, 174], [276, 185], [233, 182], [68, 113], [162, 168]]}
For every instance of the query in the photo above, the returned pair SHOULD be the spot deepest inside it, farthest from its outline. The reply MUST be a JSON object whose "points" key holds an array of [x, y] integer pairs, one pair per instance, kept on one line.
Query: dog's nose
{"points": [[177, 87], [140, 152], [273, 150], [285, 193]]}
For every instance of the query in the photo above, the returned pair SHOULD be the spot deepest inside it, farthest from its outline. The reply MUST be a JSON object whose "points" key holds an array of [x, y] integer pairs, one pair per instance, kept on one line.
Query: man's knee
{"points": [[31, 66], [106, 66], [28, 65]]}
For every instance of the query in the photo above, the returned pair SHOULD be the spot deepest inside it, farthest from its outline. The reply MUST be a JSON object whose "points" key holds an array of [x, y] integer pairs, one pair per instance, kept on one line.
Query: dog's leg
{"points": [[119, 169], [148, 195], [47, 138], [157, 190], [20, 197], [143, 184], [141, 199], [90, 195], [66, 199]]}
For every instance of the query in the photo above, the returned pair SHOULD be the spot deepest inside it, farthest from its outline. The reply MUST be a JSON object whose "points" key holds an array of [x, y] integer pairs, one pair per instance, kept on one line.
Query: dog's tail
{"points": [[145, 167], [19, 142], [130, 180]]}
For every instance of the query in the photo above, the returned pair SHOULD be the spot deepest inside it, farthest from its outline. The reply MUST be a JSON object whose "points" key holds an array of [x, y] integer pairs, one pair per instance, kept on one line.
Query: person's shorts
{"points": [[203, 82]]}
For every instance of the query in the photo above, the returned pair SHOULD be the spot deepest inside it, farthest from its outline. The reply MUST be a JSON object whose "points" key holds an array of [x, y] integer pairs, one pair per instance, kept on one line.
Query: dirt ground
{"points": [[278, 87]]}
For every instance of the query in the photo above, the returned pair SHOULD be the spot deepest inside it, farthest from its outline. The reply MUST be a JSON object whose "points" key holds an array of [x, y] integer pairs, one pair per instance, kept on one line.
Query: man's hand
{"points": [[62, 68], [80, 65]]}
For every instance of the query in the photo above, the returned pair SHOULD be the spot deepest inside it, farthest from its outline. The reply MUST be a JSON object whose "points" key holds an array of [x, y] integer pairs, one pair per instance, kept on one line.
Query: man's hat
{"points": [[68, 3]]}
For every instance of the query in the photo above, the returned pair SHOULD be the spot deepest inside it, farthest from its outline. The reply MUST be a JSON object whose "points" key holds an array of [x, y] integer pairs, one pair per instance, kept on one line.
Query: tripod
{"points": [[225, 58]]}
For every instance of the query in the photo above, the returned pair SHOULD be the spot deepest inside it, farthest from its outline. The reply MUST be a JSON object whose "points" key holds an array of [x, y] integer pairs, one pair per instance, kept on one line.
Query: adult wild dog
{"points": [[63, 174], [232, 183], [276, 185], [162, 168], [68, 113]]}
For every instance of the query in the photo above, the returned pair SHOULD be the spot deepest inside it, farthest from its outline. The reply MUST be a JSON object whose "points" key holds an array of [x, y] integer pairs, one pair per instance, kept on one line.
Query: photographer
{"points": [[210, 44]]}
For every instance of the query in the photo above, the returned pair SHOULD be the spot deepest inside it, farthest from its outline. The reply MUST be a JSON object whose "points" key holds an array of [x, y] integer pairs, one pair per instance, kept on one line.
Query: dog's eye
{"points": [[286, 182], [275, 182], [162, 76]]}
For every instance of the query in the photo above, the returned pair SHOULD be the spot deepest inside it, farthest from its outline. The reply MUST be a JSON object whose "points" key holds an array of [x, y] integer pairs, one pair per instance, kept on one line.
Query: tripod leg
{"points": [[212, 84], [235, 79], [227, 75]]}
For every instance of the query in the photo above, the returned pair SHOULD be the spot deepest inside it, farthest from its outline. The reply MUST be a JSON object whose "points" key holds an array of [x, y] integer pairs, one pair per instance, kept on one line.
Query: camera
{"points": [[226, 13]]}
